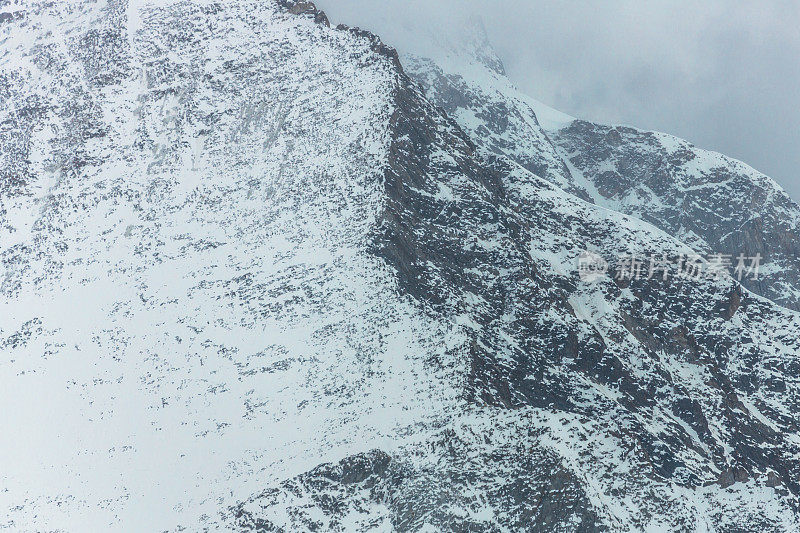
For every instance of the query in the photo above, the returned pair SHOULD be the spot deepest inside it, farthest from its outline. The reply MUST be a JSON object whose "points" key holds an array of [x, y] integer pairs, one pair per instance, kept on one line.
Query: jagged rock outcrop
{"points": [[713, 203]]}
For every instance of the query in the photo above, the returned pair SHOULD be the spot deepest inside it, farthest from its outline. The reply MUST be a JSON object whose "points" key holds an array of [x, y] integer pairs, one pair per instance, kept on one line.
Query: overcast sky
{"points": [[724, 75]]}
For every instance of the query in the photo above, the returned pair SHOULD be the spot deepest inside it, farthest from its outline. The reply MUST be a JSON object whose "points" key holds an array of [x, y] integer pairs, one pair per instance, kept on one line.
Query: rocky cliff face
{"points": [[711, 202], [258, 277]]}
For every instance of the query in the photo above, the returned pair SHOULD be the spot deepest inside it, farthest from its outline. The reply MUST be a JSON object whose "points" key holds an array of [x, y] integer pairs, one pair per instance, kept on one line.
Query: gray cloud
{"points": [[724, 75]]}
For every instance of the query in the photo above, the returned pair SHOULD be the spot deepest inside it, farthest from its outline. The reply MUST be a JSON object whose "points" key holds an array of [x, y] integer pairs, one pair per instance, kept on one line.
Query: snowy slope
{"points": [[188, 309], [255, 279]]}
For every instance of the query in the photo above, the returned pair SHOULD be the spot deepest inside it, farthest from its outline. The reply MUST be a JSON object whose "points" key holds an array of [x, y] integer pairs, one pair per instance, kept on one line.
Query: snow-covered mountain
{"points": [[713, 203], [263, 274]]}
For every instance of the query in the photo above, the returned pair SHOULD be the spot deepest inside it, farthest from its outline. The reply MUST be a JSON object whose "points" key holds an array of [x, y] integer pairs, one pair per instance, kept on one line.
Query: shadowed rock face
{"points": [[530, 490], [480, 240], [349, 311], [476, 250]]}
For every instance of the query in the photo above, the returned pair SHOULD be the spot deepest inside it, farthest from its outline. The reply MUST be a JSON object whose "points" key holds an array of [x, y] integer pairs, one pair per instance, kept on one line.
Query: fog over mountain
{"points": [[723, 75]]}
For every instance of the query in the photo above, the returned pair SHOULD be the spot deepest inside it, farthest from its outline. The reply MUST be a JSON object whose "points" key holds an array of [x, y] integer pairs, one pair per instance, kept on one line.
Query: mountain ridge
{"points": [[579, 157]]}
